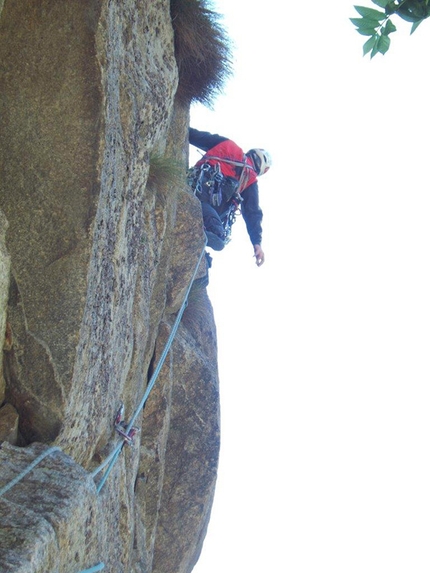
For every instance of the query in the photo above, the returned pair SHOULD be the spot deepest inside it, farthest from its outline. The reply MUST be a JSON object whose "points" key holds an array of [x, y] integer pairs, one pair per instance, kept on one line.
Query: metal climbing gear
{"points": [[121, 427], [228, 218], [207, 179]]}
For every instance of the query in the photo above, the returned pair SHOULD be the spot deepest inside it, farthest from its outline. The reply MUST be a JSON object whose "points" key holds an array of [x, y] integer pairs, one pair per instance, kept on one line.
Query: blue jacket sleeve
{"points": [[252, 213], [203, 139]]}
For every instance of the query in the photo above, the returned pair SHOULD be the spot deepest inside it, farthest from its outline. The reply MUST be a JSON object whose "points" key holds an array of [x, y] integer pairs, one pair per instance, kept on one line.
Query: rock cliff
{"points": [[101, 242]]}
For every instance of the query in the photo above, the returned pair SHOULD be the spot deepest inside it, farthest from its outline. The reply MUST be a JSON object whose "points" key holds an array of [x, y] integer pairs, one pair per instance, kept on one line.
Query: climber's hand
{"points": [[259, 255]]}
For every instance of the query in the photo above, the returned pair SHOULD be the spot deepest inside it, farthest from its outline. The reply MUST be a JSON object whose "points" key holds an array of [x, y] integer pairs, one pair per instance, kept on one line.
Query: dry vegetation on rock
{"points": [[202, 50]]}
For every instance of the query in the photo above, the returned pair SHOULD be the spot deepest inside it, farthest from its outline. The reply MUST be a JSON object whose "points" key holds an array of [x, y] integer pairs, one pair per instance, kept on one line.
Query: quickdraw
{"points": [[121, 427]]}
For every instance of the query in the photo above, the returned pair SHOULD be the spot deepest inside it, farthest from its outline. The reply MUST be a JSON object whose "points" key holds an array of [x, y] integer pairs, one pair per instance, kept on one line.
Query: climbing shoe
{"points": [[208, 260]]}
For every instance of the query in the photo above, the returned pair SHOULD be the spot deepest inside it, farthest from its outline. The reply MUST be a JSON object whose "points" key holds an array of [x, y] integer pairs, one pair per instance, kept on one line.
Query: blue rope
{"points": [[98, 567], [27, 470], [115, 453], [107, 460]]}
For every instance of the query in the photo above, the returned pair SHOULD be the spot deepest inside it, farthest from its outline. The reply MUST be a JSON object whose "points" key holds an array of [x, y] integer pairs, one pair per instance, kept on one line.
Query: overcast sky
{"points": [[324, 350]]}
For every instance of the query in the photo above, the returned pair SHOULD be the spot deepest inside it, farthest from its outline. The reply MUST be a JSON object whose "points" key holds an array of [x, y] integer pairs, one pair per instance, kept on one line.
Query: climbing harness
{"points": [[207, 179], [245, 169]]}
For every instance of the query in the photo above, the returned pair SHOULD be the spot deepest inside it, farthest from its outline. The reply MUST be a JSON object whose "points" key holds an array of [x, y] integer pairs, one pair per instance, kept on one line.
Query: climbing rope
{"points": [[113, 456], [27, 470], [111, 459]]}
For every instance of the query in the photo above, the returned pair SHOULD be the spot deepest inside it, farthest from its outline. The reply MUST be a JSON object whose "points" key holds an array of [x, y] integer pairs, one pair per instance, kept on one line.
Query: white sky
{"points": [[324, 350]]}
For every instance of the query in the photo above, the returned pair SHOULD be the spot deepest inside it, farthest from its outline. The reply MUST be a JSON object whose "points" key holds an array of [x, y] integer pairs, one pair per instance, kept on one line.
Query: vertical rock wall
{"points": [[100, 263], [51, 109]]}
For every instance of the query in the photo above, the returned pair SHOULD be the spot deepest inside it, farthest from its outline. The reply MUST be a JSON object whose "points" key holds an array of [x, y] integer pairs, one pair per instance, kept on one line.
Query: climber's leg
{"points": [[213, 227]]}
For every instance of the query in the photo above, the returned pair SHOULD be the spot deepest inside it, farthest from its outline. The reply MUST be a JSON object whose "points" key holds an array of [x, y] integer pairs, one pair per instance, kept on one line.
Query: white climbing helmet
{"points": [[261, 159]]}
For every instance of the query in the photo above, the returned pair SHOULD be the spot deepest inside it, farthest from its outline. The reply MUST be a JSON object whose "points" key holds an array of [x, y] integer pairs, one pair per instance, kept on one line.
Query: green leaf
{"points": [[415, 26], [363, 23], [407, 17], [389, 28], [369, 44], [366, 31], [383, 44], [381, 3], [364, 27], [370, 13]]}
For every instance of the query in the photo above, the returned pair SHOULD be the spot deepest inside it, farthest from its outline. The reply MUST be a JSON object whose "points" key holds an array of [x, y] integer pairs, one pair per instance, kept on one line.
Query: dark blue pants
{"points": [[212, 220]]}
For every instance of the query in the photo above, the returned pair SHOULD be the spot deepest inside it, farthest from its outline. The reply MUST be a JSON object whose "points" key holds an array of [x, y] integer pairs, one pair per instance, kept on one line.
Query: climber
{"points": [[225, 181]]}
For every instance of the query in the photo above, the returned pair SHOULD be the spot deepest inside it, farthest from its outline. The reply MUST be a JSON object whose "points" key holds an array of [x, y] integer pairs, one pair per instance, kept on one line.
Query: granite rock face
{"points": [[95, 264], [41, 528]]}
